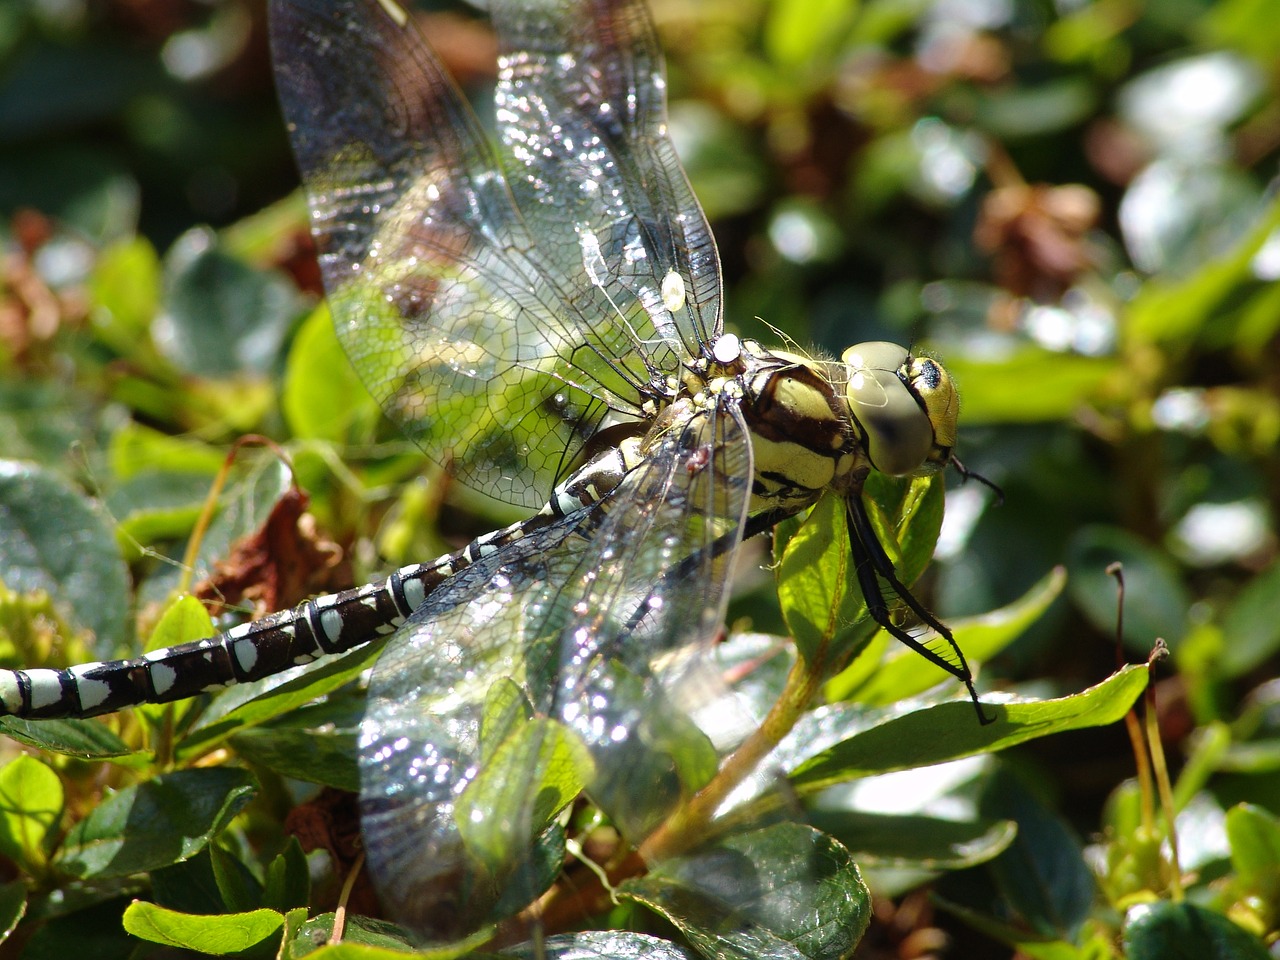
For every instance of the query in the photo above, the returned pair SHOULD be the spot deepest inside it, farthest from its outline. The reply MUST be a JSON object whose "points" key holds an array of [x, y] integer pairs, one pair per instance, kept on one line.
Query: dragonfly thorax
{"points": [[802, 438], [817, 424]]}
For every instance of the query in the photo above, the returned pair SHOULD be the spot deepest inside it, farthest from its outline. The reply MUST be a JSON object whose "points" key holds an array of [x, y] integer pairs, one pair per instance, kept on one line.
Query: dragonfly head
{"points": [[906, 407]]}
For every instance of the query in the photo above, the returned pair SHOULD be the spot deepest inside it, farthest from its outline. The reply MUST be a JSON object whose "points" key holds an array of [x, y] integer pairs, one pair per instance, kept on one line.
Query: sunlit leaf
{"points": [[154, 824], [53, 539], [218, 935]]}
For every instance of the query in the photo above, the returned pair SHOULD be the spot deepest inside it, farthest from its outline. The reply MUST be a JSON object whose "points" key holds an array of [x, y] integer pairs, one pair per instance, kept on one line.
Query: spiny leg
{"points": [[871, 560]]}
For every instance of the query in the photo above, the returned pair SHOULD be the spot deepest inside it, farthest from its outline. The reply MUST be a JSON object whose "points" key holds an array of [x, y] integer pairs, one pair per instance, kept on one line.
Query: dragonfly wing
{"points": [[501, 339], [581, 108], [563, 662]]}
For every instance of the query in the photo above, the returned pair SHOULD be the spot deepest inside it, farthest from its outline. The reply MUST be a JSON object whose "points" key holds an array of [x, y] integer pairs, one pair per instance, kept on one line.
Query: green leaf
{"points": [[782, 891], [153, 506], [912, 841], [136, 449], [251, 704], [908, 518], [184, 620], [40, 421], [949, 731], [666, 752], [536, 771], [1155, 600], [322, 755], [367, 939], [1174, 309], [125, 290], [1184, 931], [218, 935], [13, 906], [798, 34], [505, 708], [816, 588], [1024, 111], [1043, 875], [323, 397], [85, 739], [188, 886], [91, 932], [239, 889], [906, 674], [543, 863], [154, 824], [31, 802], [223, 316], [1027, 943], [995, 392], [288, 879], [1254, 836], [1251, 626], [52, 539]]}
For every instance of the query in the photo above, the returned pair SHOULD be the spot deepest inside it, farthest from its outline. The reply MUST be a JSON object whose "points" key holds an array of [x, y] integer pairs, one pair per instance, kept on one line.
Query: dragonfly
{"points": [[540, 309]]}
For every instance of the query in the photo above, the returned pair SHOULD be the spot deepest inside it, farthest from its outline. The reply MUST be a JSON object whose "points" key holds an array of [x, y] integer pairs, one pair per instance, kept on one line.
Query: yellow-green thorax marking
{"points": [[819, 424]]}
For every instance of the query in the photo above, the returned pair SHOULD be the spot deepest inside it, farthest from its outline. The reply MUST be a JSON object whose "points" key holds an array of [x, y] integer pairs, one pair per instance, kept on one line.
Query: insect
{"points": [[544, 315]]}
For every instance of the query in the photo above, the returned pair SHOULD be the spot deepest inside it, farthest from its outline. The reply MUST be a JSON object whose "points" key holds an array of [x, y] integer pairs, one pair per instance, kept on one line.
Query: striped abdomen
{"points": [[330, 624]]}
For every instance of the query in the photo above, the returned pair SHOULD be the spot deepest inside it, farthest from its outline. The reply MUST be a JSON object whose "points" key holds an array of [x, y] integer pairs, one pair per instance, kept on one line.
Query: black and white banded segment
{"points": [[325, 625]]}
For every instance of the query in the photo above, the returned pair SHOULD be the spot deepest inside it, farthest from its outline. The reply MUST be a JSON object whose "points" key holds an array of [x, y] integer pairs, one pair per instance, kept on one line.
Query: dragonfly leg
{"points": [[871, 563]]}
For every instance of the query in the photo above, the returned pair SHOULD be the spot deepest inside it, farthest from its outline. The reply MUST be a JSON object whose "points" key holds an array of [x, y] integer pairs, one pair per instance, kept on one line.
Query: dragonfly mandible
{"points": [[542, 312]]}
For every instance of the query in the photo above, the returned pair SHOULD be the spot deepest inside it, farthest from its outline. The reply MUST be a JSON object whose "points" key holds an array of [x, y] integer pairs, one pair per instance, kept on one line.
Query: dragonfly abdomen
{"points": [[251, 651], [324, 625]]}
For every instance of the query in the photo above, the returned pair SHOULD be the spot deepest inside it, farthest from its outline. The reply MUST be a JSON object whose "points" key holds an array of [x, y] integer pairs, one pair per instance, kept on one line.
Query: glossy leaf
{"points": [[949, 731], [188, 886], [217, 935], [52, 539], [535, 772], [221, 315], [154, 824], [13, 907], [781, 891], [31, 801], [1185, 931], [913, 841], [86, 739], [323, 756], [601, 945], [362, 939], [94, 931], [1042, 875]]}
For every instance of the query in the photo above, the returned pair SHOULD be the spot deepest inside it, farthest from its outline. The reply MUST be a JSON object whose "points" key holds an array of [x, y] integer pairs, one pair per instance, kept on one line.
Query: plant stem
{"points": [[688, 825]]}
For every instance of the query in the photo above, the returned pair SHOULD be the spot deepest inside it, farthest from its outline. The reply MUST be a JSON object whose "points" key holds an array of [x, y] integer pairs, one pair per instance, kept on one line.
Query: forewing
{"points": [[572, 659], [500, 340], [581, 101]]}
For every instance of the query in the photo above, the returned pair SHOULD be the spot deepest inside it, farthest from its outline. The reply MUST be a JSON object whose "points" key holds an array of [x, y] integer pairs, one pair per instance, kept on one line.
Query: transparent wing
{"points": [[573, 659], [581, 101], [500, 324]]}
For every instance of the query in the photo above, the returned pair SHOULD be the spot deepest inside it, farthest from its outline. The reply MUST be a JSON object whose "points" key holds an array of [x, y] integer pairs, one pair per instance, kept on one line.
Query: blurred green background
{"points": [[1072, 203]]}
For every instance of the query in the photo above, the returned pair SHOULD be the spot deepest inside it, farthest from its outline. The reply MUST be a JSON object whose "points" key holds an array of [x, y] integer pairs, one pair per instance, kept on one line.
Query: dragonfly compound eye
{"points": [[905, 405]]}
